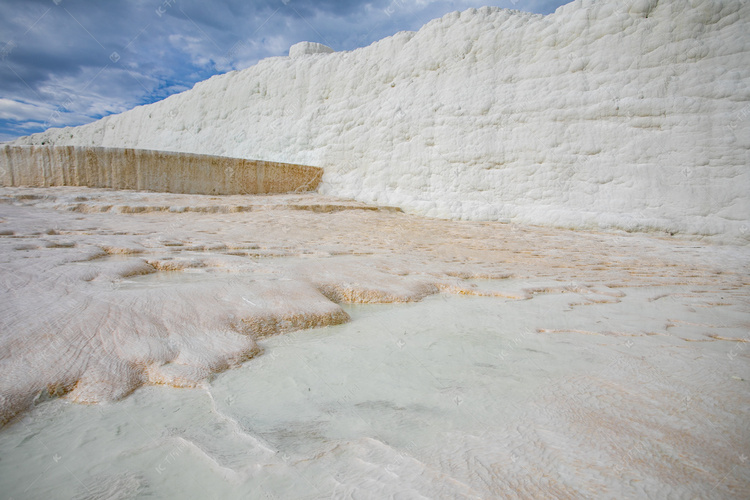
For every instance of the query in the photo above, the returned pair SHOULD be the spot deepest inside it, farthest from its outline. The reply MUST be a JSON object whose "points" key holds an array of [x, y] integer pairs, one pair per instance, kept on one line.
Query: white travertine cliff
{"points": [[625, 114]]}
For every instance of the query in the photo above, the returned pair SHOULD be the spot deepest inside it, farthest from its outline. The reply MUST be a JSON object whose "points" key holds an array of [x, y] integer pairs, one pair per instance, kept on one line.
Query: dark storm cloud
{"points": [[68, 62]]}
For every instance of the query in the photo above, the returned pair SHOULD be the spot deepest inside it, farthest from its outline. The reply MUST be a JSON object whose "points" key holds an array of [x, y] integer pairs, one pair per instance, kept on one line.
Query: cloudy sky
{"points": [[69, 62]]}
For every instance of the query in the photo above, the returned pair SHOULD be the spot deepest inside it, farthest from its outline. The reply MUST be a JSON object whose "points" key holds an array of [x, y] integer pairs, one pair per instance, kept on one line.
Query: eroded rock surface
{"points": [[150, 170], [82, 317]]}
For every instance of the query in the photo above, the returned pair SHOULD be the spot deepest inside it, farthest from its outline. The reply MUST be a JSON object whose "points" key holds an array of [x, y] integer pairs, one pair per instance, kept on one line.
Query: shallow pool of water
{"points": [[453, 397]]}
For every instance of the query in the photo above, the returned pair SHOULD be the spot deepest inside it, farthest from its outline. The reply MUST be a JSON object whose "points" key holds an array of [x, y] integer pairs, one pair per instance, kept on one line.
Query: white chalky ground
{"points": [[502, 361]]}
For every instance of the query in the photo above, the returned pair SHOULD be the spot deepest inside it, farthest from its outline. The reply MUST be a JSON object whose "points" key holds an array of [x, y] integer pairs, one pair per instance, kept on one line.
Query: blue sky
{"points": [[69, 62]]}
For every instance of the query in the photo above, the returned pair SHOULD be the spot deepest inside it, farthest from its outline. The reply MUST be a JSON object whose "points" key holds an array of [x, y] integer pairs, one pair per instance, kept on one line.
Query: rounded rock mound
{"points": [[308, 48]]}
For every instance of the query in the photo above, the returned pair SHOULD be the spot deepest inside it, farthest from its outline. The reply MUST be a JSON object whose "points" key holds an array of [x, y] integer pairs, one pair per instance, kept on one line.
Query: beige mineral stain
{"points": [[147, 170], [73, 324], [108, 291]]}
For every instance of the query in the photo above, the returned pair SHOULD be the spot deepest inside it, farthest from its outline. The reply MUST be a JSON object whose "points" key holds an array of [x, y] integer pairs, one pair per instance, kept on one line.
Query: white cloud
{"points": [[76, 62], [19, 111]]}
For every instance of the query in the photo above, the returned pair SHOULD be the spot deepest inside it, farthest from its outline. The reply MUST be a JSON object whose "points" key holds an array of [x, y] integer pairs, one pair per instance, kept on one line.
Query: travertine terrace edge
{"points": [[150, 170]]}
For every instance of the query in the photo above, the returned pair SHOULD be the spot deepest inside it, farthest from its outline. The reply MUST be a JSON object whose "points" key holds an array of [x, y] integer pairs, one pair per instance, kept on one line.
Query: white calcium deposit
{"points": [[454, 359], [626, 114]]}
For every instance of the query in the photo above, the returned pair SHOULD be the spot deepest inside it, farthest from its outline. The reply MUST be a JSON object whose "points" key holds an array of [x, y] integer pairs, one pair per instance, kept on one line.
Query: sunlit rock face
{"points": [[308, 48], [625, 114], [162, 171]]}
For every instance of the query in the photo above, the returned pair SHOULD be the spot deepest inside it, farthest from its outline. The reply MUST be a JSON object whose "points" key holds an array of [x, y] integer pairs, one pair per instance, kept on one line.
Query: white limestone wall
{"points": [[631, 114]]}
